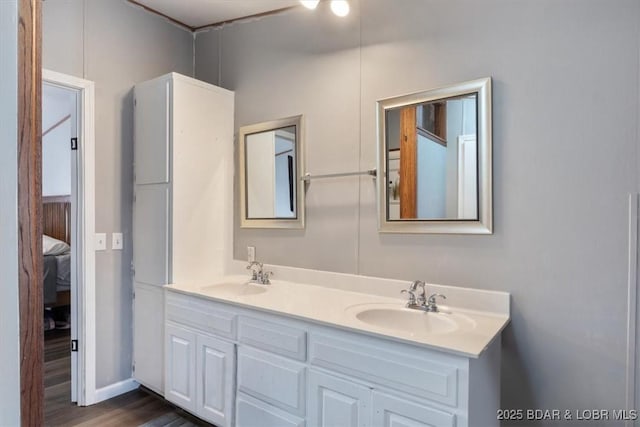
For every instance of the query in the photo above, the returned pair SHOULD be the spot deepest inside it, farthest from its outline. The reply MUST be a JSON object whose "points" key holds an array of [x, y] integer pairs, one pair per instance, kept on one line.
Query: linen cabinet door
{"points": [[152, 246], [215, 380], [391, 411], [180, 367], [148, 336], [152, 125], [333, 402]]}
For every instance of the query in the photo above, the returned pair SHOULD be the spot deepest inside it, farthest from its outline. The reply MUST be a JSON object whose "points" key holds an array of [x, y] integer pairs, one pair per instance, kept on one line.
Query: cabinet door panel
{"points": [[151, 234], [273, 379], [152, 123], [215, 375], [252, 412], [180, 367], [333, 402], [390, 411], [148, 336]]}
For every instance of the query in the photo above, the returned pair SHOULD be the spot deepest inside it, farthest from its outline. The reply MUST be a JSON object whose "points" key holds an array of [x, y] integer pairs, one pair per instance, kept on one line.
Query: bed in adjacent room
{"points": [[56, 248]]}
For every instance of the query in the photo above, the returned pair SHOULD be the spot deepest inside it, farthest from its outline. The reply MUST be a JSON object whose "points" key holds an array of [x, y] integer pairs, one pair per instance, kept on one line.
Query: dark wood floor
{"points": [[136, 408]]}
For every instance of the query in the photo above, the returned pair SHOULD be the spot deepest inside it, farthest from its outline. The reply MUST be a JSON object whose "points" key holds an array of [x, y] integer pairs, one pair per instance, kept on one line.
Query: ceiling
{"points": [[195, 14]]}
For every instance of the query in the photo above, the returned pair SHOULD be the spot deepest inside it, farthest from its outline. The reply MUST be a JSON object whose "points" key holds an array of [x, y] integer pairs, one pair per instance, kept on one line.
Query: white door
{"points": [[467, 177], [390, 411], [333, 402], [148, 336], [152, 132], [76, 248], [215, 375], [151, 234], [180, 367]]}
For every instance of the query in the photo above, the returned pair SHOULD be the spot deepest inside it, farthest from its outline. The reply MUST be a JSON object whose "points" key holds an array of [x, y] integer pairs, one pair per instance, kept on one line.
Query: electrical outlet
{"points": [[116, 241], [101, 242], [251, 253]]}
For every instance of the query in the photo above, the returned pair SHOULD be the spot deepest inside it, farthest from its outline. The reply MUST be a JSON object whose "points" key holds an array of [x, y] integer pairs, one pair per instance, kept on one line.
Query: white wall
{"points": [[9, 326], [565, 157], [115, 45], [57, 103]]}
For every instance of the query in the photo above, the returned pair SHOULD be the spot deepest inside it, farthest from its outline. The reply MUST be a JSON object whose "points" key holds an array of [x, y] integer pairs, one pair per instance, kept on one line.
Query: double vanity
{"points": [[292, 354], [311, 348]]}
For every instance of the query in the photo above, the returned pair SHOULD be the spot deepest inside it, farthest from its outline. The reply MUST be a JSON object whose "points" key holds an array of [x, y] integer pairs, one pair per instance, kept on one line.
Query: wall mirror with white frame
{"points": [[434, 161], [271, 165]]}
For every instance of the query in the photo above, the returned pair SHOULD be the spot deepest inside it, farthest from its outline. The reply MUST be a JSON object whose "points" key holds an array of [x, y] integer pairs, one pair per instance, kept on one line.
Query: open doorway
{"points": [[59, 241], [68, 223]]}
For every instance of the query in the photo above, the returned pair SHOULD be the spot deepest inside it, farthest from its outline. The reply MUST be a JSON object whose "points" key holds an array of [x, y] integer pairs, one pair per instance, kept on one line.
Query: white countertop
{"points": [[336, 307]]}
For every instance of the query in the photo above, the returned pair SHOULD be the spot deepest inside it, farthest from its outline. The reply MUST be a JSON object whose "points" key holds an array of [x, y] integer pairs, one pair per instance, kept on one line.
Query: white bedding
{"points": [[63, 277], [51, 246]]}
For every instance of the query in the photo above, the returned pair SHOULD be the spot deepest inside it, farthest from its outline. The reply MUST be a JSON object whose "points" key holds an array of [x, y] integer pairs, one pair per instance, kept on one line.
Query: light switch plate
{"points": [[101, 241], [251, 253], [116, 241]]}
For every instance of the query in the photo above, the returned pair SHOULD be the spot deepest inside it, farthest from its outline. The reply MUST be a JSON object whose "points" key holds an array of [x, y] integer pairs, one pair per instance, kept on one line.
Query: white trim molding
{"points": [[115, 389], [86, 299], [632, 311]]}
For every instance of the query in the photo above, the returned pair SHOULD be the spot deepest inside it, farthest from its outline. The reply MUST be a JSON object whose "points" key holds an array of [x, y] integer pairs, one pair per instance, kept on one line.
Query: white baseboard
{"points": [[115, 389]]}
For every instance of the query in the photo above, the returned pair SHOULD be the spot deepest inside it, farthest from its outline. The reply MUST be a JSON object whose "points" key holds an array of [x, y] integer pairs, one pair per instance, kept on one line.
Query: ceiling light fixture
{"points": [[310, 4], [340, 7]]}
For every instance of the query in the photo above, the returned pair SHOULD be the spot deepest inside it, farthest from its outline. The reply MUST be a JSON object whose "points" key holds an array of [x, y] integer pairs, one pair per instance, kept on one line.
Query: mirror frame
{"points": [[280, 223], [484, 223]]}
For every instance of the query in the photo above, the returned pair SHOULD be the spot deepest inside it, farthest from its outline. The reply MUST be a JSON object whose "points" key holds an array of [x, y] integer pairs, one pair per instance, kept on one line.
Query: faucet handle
{"points": [[265, 277], [412, 296], [432, 298]]}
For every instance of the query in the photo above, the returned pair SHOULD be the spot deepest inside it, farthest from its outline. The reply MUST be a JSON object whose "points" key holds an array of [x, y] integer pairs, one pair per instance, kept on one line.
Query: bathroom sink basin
{"points": [[234, 289], [406, 320]]}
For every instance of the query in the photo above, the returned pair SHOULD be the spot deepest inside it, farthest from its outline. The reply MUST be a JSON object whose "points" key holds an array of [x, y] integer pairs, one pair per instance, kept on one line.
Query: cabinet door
{"points": [[390, 411], [215, 377], [273, 379], [252, 412], [151, 234], [333, 402], [180, 367], [152, 124], [148, 336]]}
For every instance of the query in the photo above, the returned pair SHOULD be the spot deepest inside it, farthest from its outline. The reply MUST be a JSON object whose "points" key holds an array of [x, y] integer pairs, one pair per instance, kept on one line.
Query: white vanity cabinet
{"points": [[294, 373], [183, 174], [200, 368]]}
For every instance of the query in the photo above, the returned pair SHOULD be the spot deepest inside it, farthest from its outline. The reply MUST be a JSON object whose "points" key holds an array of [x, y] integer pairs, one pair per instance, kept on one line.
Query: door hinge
{"points": [[74, 345], [74, 143], [133, 367]]}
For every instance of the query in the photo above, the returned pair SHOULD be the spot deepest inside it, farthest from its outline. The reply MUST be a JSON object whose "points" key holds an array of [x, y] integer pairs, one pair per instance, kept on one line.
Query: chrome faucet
{"points": [[415, 301], [420, 301], [259, 275], [431, 305]]}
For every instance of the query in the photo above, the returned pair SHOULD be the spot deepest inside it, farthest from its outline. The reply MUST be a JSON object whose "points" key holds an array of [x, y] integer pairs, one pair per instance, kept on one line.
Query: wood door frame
{"points": [[86, 257], [30, 212]]}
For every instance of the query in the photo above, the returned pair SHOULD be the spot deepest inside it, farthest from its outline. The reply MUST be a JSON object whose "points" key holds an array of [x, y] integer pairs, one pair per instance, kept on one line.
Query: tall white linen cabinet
{"points": [[182, 210]]}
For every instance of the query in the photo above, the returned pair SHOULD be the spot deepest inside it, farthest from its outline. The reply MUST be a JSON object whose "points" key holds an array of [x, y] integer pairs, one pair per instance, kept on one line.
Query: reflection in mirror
{"points": [[435, 151], [271, 166], [271, 180], [439, 137]]}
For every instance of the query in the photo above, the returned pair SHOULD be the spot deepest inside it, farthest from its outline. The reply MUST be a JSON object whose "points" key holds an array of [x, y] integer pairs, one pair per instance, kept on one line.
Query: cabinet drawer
{"points": [[273, 337], [204, 315], [252, 413], [422, 374], [273, 379], [391, 411]]}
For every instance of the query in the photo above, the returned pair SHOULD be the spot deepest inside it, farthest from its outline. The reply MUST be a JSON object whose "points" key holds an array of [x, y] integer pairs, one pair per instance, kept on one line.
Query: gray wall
{"points": [[565, 132], [9, 319], [115, 45]]}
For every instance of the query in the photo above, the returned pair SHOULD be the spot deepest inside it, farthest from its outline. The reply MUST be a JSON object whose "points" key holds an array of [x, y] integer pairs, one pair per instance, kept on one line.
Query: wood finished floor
{"points": [[136, 408]]}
